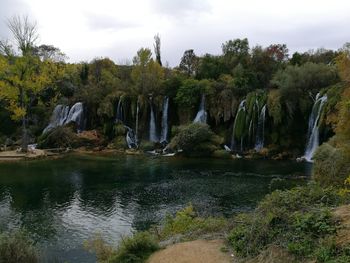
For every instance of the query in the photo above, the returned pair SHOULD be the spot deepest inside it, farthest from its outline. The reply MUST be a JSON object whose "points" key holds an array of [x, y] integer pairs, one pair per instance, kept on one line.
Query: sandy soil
{"points": [[198, 251], [15, 156]]}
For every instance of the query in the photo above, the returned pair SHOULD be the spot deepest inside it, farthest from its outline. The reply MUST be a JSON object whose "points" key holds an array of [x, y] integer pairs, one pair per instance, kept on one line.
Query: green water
{"points": [[64, 202]]}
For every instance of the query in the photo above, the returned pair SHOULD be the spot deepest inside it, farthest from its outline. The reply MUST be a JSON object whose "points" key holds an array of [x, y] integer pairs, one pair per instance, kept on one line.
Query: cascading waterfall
{"points": [[62, 115], [131, 139], [76, 114], [313, 131], [120, 111], [240, 116], [260, 134], [58, 117], [201, 116], [137, 120], [165, 128], [152, 126]]}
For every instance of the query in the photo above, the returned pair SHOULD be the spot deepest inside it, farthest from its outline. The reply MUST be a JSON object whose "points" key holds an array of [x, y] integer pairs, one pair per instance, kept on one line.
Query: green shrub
{"points": [[60, 137], [187, 222], [147, 146], [17, 248], [135, 249], [296, 220], [195, 139], [331, 164], [120, 142]]}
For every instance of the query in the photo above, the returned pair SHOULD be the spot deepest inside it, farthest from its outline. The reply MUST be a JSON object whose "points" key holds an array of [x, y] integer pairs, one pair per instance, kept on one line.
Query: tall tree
{"points": [[156, 46], [146, 74], [189, 63], [25, 33], [23, 76]]}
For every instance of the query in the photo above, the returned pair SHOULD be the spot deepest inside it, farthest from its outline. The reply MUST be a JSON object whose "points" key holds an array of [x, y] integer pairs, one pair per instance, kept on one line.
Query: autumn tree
{"points": [[23, 76]]}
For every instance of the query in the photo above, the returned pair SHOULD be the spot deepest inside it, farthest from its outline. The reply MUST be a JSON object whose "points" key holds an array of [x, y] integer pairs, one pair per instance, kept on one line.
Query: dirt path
{"points": [[198, 251]]}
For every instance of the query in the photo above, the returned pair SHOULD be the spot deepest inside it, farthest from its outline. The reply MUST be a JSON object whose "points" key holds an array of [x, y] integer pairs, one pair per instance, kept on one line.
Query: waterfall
{"points": [[120, 111], [313, 132], [76, 114], [260, 133], [165, 128], [137, 120], [239, 115], [131, 139], [62, 115], [201, 116], [58, 117], [152, 127]]}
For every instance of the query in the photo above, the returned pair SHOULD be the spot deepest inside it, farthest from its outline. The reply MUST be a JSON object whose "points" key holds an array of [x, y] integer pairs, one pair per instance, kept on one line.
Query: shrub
{"points": [[60, 137], [296, 220], [331, 164], [17, 248], [195, 139], [187, 222], [135, 249]]}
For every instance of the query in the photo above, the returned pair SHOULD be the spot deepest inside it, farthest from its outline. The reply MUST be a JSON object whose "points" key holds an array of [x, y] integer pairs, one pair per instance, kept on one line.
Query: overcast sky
{"points": [[85, 29]]}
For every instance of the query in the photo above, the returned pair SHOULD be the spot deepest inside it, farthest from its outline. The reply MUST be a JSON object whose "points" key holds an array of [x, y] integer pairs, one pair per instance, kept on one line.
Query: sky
{"points": [[86, 29]]}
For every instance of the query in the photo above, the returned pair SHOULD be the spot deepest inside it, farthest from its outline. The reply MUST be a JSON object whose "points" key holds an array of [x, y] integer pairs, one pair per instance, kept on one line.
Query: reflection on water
{"points": [[64, 202]]}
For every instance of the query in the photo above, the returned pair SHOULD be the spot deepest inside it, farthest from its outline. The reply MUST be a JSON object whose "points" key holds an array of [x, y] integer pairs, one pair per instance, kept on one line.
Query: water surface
{"points": [[64, 202]]}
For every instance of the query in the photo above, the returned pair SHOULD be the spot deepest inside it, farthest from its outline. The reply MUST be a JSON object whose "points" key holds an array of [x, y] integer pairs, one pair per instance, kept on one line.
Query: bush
{"points": [[195, 139], [60, 137], [186, 222], [296, 220], [17, 248], [331, 164], [135, 249]]}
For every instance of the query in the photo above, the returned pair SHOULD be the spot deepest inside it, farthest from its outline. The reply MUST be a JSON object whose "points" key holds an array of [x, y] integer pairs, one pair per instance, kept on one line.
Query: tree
{"points": [[156, 46], [23, 77], [189, 63], [24, 33], [235, 52], [49, 52], [146, 74]]}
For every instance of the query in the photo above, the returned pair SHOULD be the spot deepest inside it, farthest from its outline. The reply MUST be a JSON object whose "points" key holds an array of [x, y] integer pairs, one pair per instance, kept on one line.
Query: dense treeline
{"points": [[37, 78]]}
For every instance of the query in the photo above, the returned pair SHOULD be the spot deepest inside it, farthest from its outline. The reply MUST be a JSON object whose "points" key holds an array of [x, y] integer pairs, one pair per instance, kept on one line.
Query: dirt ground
{"points": [[198, 251], [343, 214]]}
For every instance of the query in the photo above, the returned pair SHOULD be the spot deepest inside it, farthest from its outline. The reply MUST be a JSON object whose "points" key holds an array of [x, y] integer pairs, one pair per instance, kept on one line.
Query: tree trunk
{"points": [[24, 126], [24, 136]]}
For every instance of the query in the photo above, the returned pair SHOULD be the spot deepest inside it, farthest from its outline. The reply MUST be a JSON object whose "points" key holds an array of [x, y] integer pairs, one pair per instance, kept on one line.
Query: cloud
{"points": [[180, 8], [8, 9], [106, 22]]}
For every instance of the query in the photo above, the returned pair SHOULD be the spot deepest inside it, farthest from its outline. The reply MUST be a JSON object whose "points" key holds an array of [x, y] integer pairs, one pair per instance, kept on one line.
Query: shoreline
{"points": [[52, 154]]}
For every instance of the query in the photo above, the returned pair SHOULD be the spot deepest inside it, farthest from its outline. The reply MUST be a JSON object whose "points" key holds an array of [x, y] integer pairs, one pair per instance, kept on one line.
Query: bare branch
{"points": [[24, 32]]}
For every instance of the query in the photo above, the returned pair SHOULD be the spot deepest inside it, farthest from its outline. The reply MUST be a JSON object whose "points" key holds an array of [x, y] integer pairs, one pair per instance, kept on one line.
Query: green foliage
{"points": [[17, 247], [331, 164], [296, 83], [296, 220], [189, 63], [187, 222], [135, 249], [60, 137], [195, 139], [189, 93], [274, 106]]}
